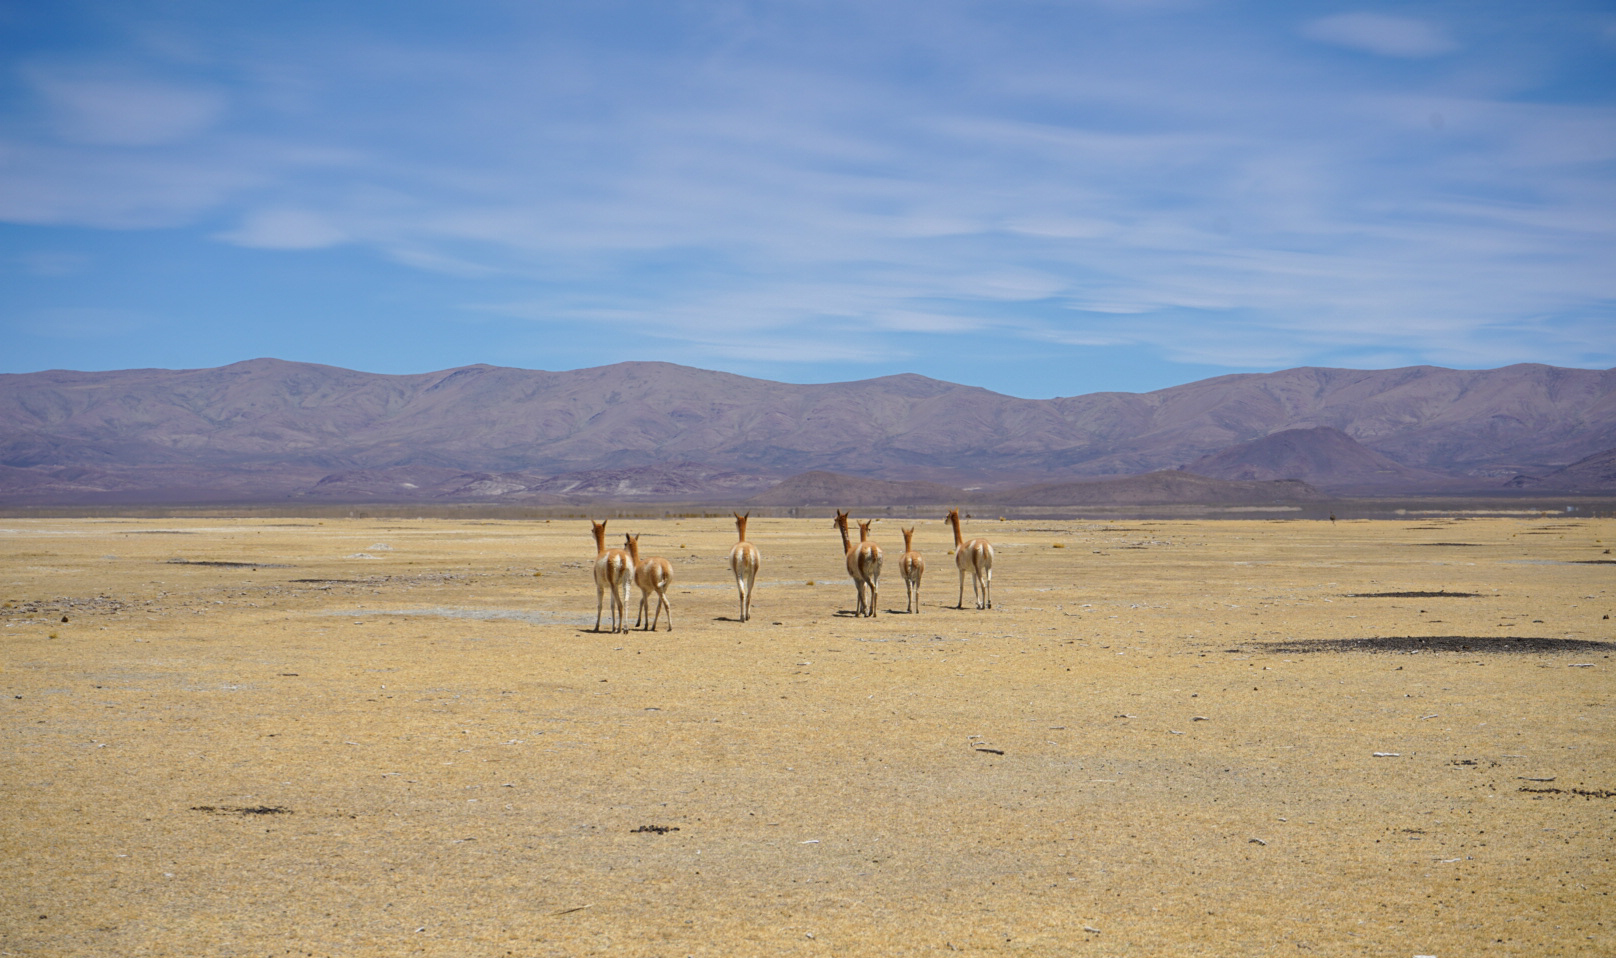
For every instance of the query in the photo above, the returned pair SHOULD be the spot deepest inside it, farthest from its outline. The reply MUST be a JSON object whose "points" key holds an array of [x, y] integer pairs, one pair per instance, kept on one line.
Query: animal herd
{"points": [[615, 569]]}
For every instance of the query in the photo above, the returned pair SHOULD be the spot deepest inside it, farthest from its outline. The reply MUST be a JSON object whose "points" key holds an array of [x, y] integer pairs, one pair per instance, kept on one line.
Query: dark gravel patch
{"points": [[1584, 792], [227, 565], [1412, 595], [1508, 644]]}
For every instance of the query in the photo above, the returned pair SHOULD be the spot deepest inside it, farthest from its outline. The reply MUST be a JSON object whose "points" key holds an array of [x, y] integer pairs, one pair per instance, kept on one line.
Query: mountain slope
{"points": [[830, 489], [1595, 475], [1165, 487], [1463, 422], [1323, 456], [267, 428]]}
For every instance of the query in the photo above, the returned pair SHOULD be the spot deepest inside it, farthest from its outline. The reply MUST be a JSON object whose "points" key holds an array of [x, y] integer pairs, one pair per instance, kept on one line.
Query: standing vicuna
{"points": [[651, 574], [613, 569], [743, 561], [911, 566], [975, 557], [863, 563]]}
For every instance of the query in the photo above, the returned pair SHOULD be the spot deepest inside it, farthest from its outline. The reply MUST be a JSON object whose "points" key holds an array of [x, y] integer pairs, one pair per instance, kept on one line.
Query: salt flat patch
{"points": [[227, 563], [1550, 562], [762, 583], [532, 617], [43, 533], [85, 529], [500, 779]]}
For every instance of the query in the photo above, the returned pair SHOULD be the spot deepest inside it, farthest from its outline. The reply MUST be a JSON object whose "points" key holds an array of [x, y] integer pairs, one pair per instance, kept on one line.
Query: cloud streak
{"points": [[725, 181], [98, 107], [1385, 35]]}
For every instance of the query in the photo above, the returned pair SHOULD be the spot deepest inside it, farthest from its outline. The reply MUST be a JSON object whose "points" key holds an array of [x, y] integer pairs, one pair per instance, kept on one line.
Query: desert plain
{"points": [[396, 736]]}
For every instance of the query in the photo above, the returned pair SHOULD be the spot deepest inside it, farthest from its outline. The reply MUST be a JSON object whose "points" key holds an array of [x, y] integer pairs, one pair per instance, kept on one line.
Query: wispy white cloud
{"points": [[734, 179], [1389, 36], [53, 185], [286, 229], [100, 105], [83, 322], [54, 263]]}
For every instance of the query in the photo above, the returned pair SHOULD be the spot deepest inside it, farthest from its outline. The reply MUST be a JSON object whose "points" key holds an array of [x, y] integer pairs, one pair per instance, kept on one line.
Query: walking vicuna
{"points": [[613, 567], [651, 574], [911, 566], [863, 563], [976, 558], [743, 561]]}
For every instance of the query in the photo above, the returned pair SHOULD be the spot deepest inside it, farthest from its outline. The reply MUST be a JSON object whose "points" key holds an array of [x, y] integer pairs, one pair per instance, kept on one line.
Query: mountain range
{"points": [[1323, 455], [266, 430]]}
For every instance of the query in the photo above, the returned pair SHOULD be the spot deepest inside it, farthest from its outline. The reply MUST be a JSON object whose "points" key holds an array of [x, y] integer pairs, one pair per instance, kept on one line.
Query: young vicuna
{"points": [[651, 574], [613, 569], [863, 563], [911, 566], [743, 561], [974, 557]]}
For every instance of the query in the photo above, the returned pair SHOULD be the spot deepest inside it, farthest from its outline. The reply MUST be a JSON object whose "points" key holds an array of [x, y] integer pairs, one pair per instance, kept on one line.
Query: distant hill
{"points": [[424, 483], [678, 481], [1167, 487], [272, 430], [1323, 456], [830, 489], [1595, 475]]}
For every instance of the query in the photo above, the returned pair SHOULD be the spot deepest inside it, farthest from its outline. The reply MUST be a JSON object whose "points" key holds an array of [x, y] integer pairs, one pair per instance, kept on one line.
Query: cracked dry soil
{"points": [[401, 737]]}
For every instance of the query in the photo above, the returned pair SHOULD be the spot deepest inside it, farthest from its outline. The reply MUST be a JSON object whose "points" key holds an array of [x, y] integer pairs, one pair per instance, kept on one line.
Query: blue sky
{"points": [[1042, 197]]}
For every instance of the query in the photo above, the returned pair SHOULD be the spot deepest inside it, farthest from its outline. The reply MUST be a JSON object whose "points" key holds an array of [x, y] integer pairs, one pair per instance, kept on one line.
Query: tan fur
{"points": [[863, 563], [613, 569], [744, 560], [911, 566], [651, 574], [976, 558]]}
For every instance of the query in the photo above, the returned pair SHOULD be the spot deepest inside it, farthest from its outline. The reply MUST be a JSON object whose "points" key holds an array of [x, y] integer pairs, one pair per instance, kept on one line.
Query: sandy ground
{"points": [[401, 737]]}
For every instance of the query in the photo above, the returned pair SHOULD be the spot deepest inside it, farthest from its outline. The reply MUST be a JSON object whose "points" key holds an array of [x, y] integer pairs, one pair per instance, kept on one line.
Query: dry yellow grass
{"points": [[394, 737]]}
